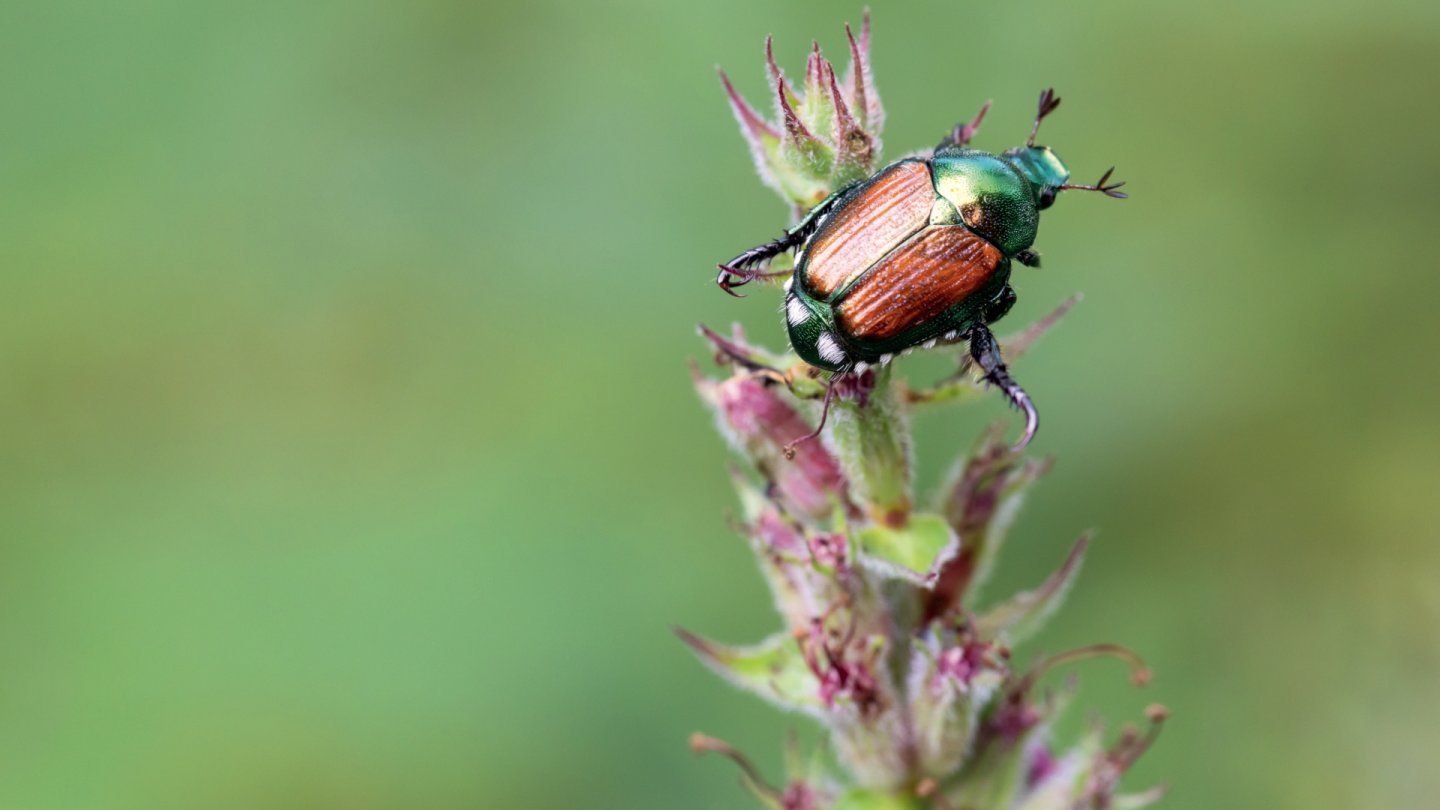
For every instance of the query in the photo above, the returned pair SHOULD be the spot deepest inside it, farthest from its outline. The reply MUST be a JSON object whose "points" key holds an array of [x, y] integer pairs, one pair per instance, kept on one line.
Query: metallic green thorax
{"points": [[991, 196], [999, 197]]}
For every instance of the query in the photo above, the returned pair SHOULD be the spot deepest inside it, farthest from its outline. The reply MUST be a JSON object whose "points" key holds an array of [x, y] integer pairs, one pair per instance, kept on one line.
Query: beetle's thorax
{"points": [[991, 196]]}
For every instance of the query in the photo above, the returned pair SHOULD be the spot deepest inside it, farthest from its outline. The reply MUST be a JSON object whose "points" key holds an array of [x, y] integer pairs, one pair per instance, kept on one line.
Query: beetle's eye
{"points": [[1047, 198]]}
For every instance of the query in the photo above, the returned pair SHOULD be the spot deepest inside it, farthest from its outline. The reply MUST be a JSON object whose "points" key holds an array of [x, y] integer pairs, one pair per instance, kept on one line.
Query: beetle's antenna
{"points": [[1048, 102], [824, 414], [1107, 190]]}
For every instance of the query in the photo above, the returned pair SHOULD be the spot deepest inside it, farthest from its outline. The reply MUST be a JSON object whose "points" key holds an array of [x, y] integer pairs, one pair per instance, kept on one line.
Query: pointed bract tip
{"points": [[865, 101], [1015, 346], [836, 97], [853, 145], [774, 68], [752, 125], [795, 130], [814, 69], [694, 642], [728, 350]]}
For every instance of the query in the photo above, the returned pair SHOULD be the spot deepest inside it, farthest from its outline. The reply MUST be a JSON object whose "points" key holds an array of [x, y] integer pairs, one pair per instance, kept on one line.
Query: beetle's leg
{"points": [[1028, 257], [740, 266], [997, 308], [727, 278], [992, 312], [789, 448], [986, 351], [962, 133]]}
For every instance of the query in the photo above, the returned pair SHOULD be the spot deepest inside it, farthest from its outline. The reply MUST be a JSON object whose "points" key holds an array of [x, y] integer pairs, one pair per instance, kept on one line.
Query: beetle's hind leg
{"points": [[1001, 305], [986, 351], [962, 133]]}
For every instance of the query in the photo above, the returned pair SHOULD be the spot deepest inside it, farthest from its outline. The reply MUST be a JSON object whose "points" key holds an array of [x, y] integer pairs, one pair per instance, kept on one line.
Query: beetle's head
{"points": [[1044, 169]]}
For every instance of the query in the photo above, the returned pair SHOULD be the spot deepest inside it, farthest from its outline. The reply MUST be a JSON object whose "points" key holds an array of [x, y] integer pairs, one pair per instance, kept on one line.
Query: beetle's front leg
{"points": [[736, 273], [742, 267], [986, 351]]}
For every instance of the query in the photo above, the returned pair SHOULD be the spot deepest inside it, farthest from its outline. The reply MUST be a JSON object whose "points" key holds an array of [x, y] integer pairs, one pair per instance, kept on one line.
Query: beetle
{"points": [[916, 255]]}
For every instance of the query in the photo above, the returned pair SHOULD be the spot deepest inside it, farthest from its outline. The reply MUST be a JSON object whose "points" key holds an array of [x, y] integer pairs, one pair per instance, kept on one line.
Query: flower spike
{"points": [[885, 637]]}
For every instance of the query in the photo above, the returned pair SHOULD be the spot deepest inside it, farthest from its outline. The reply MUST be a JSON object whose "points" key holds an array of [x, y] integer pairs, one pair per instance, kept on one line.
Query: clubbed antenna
{"points": [[1048, 102], [1108, 189]]}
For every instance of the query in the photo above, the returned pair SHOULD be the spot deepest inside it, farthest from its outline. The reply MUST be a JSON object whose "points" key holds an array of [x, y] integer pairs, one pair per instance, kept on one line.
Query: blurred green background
{"points": [[348, 457]]}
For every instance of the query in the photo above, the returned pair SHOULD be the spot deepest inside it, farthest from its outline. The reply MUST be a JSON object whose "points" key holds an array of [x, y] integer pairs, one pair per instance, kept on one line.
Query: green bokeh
{"points": [[347, 453]]}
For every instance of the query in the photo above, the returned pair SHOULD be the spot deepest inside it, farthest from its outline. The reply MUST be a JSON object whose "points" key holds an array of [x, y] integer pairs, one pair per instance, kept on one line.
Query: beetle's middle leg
{"points": [[742, 267], [993, 311], [986, 351], [996, 309]]}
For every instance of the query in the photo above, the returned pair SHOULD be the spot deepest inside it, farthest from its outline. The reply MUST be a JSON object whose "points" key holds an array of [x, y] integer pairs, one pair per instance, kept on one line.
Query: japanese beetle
{"points": [[917, 254]]}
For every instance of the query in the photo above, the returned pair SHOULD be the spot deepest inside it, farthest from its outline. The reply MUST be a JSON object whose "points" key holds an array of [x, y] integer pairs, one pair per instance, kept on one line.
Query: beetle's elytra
{"points": [[916, 254]]}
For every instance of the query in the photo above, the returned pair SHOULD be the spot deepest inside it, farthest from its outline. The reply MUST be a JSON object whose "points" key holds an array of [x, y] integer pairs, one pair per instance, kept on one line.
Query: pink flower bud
{"points": [[761, 422]]}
